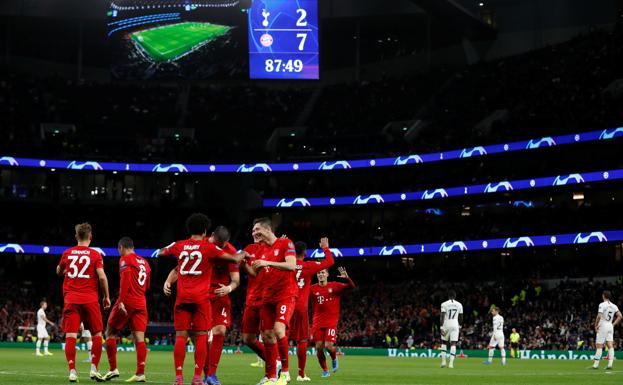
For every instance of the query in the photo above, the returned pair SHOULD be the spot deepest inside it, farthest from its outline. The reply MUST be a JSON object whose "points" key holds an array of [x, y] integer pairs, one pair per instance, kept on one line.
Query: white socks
{"points": [[610, 357], [491, 351], [452, 354], [443, 354], [38, 344], [45, 345], [597, 357], [503, 353]]}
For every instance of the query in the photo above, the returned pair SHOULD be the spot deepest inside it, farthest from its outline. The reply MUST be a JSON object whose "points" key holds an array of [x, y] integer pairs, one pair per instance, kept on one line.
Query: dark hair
{"points": [[607, 294], [451, 294], [197, 224], [300, 248], [221, 233], [126, 243], [83, 230], [265, 222]]}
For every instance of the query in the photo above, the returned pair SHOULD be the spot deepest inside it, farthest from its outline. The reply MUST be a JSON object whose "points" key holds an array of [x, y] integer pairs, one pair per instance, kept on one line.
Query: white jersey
{"points": [[452, 308], [608, 311], [41, 318], [498, 324]]}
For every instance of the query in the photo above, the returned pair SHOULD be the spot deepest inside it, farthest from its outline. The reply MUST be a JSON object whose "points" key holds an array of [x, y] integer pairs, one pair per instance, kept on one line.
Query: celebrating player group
{"points": [[208, 270]]}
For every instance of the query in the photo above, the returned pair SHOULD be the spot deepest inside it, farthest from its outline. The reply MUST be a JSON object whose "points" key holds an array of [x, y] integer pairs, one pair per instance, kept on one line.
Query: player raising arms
{"points": [[192, 305], [326, 313], [130, 309], [276, 266], [299, 327], [605, 328], [42, 333], [83, 267], [497, 336], [451, 320], [225, 279]]}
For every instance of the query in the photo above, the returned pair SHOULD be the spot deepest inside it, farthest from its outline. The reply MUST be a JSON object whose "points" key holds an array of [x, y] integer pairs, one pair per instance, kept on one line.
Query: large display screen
{"points": [[283, 39]]}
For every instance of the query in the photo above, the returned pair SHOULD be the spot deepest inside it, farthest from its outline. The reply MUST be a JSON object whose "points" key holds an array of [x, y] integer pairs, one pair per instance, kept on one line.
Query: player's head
{"points": [[301, 249], [43, 304], [83, 232], [495, 310], [262, 227], [198, 224], [125, 246], [322, 275], [514, 330], [606, 295], [220, 236], [451, 294]]}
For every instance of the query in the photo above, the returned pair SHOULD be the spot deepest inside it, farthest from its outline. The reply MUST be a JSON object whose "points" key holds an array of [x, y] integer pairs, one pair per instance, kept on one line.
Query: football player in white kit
{"points": [[497, 336], [605, 329], [42, 333], [451, 319], [87, 339]]}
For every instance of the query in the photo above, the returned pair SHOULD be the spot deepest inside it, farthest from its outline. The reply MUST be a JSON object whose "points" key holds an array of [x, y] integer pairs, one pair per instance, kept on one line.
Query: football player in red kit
{"points": [[83, 269], [326, 313]]}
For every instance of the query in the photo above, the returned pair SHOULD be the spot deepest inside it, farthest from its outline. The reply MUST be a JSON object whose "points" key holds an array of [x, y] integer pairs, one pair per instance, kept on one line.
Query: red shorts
{"points": [[136, 318], [325, 335], [221, 311], [299, 326], [192, 316], [89, 313], [278, 311], [251, 320]]}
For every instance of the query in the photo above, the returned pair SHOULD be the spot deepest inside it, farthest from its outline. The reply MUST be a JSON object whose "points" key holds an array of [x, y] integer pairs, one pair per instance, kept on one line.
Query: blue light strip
{"points": [[315, 166], [143, 18], [419, 248], [439, 193], [164, 18]]}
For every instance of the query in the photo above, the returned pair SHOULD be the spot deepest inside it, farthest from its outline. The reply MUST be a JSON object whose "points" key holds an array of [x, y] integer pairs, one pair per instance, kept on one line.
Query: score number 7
{"points": [[301, 22]]}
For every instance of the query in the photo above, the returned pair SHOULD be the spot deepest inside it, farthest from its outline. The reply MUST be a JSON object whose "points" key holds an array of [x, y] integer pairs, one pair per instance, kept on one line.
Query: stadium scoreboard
{"points": [[283, 39]]}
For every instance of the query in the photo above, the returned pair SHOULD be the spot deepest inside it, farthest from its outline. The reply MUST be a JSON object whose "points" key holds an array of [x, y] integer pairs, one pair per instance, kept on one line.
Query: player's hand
{"points": [[122, 308], [343, 273], [167, 288], [443, 332], [223, 290], [324, 243], [284, 236], [258, 264], [106, 303]]}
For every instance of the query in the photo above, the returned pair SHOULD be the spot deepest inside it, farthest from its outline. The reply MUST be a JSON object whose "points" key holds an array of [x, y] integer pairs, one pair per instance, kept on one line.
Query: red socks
{"points": [[271, 358], [301, 354], [283, 353], [201, 351], [322, 359], [216, 347], [258, 348], [332, 352], [179, 352], [70, 352], [96, 350], [141, 357], [111, 352]]}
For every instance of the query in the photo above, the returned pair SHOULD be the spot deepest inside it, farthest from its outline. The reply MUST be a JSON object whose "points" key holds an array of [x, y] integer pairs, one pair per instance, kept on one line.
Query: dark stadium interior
{"points": [[416, 78]]}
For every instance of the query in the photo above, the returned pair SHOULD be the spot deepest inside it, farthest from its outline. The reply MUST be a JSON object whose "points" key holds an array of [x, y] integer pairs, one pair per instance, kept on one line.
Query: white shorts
{"points": [[497, 339], [452, 333], [42, 332], [85, 333], [605, 334]]}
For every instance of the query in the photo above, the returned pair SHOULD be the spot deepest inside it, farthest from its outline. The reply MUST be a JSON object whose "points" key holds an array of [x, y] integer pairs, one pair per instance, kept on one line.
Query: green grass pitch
{"points": [[21, 367], [172, 41]]}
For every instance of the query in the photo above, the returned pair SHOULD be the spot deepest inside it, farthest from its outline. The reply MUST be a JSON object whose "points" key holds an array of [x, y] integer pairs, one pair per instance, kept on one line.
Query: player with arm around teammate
{"points": [[451, 320], [497, 336], [604, 326]]}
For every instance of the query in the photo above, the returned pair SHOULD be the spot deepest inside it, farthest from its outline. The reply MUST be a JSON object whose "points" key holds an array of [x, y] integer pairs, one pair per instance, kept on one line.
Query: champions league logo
{"points": [[254, 167], [293, 202], [84, 166], [176, 167], [318, 253], [362, 199], [570, 179], [11, 248], [398, 249], [340, 164], [8, 161], [609, 134], [491, 188], [519, 242], [452, 246], [99, 250], [438, 193], [596, 236], [543, 142], [411, 159], [467, 153]]}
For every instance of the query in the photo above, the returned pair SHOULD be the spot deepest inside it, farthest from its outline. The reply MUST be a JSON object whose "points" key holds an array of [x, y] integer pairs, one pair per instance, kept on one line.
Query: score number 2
{"points": [[301, 22]]}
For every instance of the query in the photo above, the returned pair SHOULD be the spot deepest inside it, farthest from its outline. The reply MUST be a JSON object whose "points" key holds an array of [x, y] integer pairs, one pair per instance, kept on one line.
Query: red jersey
{"points": [[81, 282], [221, 270], [278, 284], [134, 273], [326, 303], [254, 289], [304, 272], [194, 267]]}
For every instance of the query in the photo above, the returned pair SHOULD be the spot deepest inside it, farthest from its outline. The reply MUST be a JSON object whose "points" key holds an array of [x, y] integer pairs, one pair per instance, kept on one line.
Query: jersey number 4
{"points": [[192, 256], [78, 266]]}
